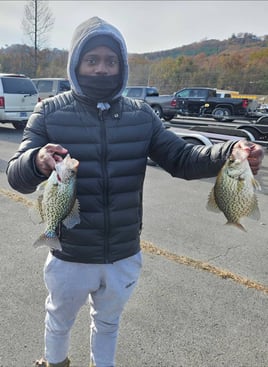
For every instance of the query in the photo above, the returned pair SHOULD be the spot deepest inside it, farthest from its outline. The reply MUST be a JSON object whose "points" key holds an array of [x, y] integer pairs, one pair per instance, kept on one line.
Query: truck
{"points": [[161, 104], [204, 102]]}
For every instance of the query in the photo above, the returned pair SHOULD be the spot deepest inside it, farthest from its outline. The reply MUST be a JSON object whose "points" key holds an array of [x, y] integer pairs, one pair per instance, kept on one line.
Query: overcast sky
{"points": [[146, 25]]}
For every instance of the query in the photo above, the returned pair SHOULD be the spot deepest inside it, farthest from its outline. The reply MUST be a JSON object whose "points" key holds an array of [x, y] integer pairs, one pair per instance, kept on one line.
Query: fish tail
{"points": [[52, 242], [238, 225]]}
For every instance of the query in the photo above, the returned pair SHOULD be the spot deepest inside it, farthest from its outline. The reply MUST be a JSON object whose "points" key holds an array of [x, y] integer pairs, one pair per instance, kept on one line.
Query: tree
{"points": [[37, 22]]}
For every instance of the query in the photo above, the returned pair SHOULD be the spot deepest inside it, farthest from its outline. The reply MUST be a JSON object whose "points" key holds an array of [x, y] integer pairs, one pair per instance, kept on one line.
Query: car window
{"points": [[18, 86], [201, 93], [212, 93], [134, 92], [193, 93], [45, 86], [152, 92], [64, 85], [183, 93]]}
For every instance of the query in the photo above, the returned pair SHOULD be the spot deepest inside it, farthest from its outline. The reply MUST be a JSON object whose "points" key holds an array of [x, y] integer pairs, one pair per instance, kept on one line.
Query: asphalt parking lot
{"points": [[202, 298]]}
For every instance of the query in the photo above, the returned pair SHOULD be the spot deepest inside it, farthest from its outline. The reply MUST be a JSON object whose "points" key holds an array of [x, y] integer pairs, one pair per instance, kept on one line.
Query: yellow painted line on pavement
{"points": [[16, 197], [197, 264], [149, 247]]}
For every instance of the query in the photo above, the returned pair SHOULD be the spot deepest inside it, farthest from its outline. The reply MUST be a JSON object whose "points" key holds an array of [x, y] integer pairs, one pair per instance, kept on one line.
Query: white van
{"points": [[18, 97], [49, 87]]}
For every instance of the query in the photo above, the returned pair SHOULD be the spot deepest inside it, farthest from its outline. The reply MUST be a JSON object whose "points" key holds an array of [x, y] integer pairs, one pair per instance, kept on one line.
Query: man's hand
{"points": [[48, 156], [255, 154]]}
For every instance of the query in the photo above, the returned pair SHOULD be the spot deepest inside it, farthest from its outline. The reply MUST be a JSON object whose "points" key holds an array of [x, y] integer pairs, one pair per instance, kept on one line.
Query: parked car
{"points": [[198, 101], [161, 104], [18, 96], [49, 87]]}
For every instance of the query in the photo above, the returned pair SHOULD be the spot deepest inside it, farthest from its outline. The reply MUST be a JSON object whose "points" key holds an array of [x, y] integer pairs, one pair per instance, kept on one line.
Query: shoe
{"points": [[40, 363], [43, 363]]}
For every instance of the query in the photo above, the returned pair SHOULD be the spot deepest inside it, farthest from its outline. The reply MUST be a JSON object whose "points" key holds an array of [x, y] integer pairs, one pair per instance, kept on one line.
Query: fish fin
{"points": [[256, 184], [255, 211], [52, 242], [211, 203], [42, 185], [73, 217], [238, 225], [36, 211]]}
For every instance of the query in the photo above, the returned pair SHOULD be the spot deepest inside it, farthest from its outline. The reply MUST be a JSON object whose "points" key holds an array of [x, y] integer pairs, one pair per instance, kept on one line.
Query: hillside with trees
{"points": [[238, 63]]}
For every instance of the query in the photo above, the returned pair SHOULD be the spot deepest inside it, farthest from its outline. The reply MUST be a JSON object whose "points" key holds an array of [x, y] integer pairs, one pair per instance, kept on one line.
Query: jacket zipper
{"points": [[105, 186]]}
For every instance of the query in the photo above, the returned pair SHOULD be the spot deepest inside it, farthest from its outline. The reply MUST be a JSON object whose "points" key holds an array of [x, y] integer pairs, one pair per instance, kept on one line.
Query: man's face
{"points": [[99, 61]]}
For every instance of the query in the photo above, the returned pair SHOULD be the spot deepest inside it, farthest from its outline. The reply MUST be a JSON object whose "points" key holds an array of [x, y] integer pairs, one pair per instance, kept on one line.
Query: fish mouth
{"points": [[68, 164], [239, 155], [75, 164]]}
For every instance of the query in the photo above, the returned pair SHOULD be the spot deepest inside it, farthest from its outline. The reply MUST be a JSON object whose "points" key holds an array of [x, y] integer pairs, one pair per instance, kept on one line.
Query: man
{"points": [[112, 137]]}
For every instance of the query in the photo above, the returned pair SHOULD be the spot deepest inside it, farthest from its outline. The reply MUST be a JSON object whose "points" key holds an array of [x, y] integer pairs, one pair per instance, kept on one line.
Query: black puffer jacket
{"points": [[112, 147]]}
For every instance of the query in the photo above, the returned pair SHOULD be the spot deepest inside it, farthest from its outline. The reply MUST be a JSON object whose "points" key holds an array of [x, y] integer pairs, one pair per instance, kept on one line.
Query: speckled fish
{"points": [[58, 202], [234, 190]]}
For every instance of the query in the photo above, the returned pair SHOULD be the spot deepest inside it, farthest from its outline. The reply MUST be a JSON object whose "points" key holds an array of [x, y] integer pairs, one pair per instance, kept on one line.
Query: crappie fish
{"points": [[58, 203], [234, 190]]}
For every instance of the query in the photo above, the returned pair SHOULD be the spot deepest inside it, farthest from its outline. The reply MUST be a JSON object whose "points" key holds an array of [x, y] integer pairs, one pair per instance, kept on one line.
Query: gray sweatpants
{"points": [[70, 285]]}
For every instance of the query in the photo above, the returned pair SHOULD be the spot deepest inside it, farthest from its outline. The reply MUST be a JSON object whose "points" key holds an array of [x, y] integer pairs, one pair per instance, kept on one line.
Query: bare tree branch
{"points": [[38, 20]]}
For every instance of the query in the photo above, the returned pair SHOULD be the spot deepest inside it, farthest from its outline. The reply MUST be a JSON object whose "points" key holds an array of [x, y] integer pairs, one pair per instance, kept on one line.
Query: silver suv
{"points": [[18, 97], [49, 87]]}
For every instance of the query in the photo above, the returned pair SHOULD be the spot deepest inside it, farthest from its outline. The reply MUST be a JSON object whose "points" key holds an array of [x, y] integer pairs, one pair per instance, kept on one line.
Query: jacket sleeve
{"points": [[22, 173], [183, 160]]}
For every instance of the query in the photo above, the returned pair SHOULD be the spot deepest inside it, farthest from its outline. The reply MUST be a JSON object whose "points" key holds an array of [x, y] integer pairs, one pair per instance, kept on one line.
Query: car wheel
{"points": [[158, 111], [251, 130], [263, 120], [221, 114], [168, 118], [19, 125]]}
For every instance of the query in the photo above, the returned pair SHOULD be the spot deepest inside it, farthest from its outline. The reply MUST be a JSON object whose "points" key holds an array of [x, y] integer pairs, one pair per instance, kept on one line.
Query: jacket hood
{"points": [[83, 33]]}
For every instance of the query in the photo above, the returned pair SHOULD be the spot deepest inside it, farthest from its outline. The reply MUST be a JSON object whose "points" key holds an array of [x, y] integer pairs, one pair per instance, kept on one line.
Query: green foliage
{"points": [[239, 63], [20, 59]]}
